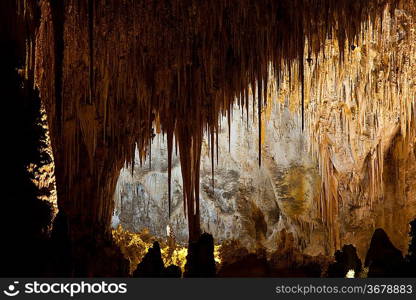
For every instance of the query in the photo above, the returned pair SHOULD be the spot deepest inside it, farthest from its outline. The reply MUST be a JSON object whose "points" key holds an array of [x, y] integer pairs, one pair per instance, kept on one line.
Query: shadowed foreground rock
{"points": [[383, 259], [152, 265], [200, 258], [346, 259], [286, 261], [111, 74], [249, 266]]}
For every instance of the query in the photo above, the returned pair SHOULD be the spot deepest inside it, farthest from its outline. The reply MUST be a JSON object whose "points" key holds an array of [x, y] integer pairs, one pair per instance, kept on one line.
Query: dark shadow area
{"points": [[345, 260], [26, 219], [383, 259], [152, 265], [36, 245], [200, 260]]}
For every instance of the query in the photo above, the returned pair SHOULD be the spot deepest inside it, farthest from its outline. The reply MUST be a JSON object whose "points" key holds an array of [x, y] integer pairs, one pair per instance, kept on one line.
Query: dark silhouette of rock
{"points": [[293, 263], [200, 259], [383, 259], [411, 256], [62, 258], [412, 246], [152, 265], [311, 269], [172, 271], [25, 219], [248, 266], [289, 261], [337, 269], [345, 260]]}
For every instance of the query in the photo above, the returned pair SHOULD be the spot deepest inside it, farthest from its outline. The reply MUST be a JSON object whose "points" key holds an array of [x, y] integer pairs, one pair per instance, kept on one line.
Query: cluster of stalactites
{"points": [[110, 73], [356, 109]]}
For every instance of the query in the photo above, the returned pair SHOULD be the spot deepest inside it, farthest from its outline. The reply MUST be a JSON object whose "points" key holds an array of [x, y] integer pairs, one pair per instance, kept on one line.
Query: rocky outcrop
{"points": [[26, 218], [254, 204], [244, 202], [345, 260], [383, 259], [106, 86], [285, 261], [111, 76], [411, 256], [152, 265], [200, 259]]}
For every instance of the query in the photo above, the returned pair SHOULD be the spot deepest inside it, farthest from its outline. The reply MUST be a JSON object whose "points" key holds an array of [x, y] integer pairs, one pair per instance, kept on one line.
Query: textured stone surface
{"points": [[253, 204], [110, 75], [247, 203]]}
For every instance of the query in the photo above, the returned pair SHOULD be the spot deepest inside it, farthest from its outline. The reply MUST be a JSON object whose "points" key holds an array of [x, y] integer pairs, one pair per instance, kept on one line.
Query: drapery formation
{"points": [[112, 72]]}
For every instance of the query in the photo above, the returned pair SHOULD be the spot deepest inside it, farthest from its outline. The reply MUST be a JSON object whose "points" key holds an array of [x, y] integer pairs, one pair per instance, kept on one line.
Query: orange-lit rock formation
{"points": [[112, 73]]}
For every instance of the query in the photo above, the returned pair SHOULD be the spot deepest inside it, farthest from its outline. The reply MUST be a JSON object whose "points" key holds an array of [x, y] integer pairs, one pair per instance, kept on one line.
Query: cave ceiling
{"points": [[113, 73]]}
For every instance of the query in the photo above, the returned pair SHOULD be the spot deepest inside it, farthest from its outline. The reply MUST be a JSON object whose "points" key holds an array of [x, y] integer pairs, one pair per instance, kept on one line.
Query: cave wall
{"points": [[350, 172], [26, 217], [253, 204], [239, 200], [105, 84], [362, 131]]}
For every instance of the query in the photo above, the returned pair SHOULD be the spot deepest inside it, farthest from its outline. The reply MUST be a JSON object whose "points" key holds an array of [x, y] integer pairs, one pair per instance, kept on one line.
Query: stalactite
{"points": [[302, 80], [374, 96], [170, 146], [185, 61], [91, 48], [212, 157], [259, 108]]}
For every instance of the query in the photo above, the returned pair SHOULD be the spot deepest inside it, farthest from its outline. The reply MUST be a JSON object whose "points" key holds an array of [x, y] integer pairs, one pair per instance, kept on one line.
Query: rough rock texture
{"points": [[247, 203], [247, 266], [366, 144], [285, 261], [106, 86], [152, 265], [200, 259], [253, 204], [113, 73], [26, 218]]}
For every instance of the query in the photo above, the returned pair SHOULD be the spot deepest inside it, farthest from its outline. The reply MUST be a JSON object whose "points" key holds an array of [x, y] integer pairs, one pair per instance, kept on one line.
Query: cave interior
{"points": [[226, 138]]}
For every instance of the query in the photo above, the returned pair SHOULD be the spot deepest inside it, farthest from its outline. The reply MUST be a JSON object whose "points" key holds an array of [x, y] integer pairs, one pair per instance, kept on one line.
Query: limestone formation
{"points": [[113, 74]]}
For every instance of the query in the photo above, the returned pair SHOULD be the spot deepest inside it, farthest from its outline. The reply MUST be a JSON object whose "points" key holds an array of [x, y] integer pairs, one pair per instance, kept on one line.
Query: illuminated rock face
{"points": [[253, 204], [362, 130], [351, 171], [110, 74], [247, 202]]}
